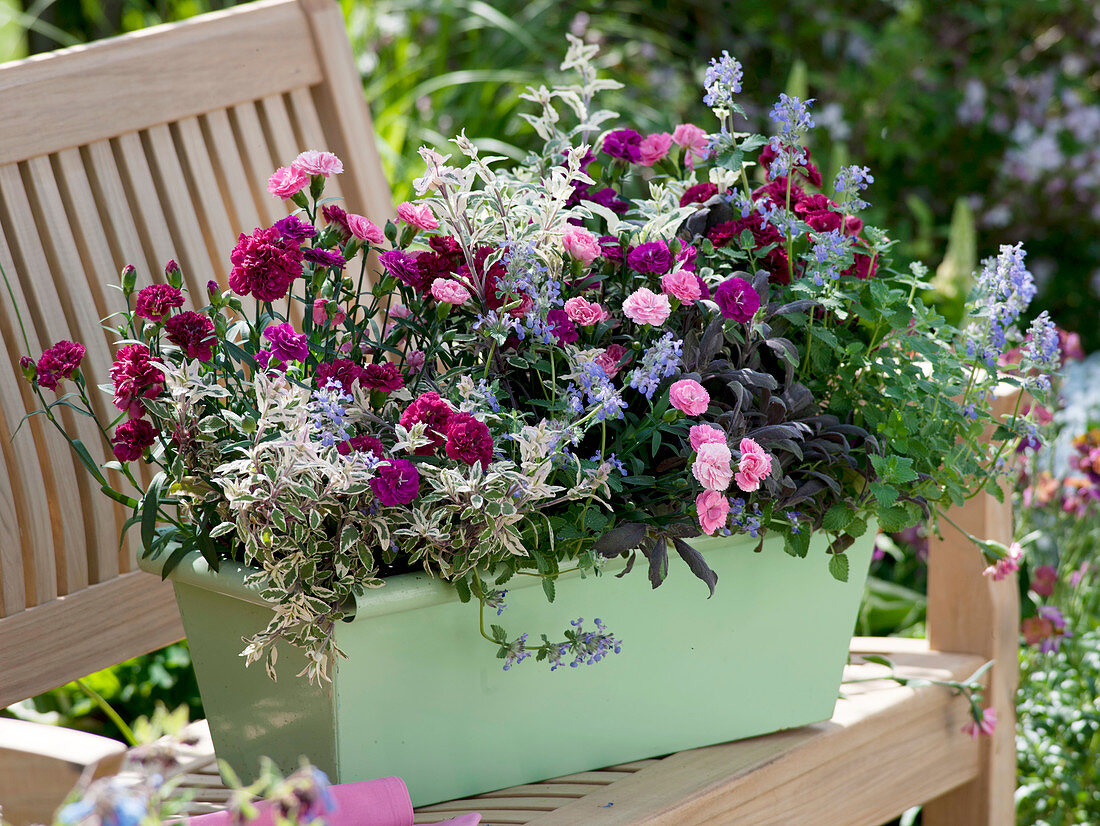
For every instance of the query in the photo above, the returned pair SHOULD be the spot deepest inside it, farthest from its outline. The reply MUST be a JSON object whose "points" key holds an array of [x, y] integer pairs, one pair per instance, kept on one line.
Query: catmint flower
{"points": [[1043, 349], [1006, 288], [328, 413], [849, 182], [516, 652], [722, 81], [659, 362], [792, 116], [831, 254]]}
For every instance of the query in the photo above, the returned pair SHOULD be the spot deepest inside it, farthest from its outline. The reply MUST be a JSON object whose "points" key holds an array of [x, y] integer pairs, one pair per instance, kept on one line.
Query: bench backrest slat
{"points": [[136, 150]]}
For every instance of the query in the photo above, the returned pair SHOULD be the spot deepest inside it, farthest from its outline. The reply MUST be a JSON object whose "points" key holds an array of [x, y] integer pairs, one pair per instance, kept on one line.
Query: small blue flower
{"points": [[722, 81]]}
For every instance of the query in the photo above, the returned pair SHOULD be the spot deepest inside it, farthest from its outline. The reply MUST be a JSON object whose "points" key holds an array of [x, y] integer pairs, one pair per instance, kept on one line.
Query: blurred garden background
{"points": [[980, 121]]}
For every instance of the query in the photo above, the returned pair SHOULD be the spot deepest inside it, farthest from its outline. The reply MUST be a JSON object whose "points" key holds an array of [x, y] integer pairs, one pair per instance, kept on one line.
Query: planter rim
{"points": [[404, 592]]}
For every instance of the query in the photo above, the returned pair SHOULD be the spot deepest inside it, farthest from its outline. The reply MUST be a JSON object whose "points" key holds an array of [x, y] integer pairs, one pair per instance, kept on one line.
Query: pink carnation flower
{"points": [[584, 313], [689, 396], [581, 244], [321, 315], [364, 229], [754, 466], [701, 434], [1008, 565], [683, 285], [712, 466], [417, 215], [713, 508], [644, 306], [654, 147], [610, 360], [984, 726], [450, 291], [693, 140], [314, 162], [287, 181]]}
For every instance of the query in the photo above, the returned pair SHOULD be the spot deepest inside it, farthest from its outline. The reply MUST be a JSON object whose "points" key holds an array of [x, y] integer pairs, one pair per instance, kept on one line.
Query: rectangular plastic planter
{"points": [[423, 696]]}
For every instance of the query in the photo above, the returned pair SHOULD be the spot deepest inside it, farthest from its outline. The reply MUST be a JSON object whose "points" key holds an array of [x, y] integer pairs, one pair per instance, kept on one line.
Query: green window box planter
{"points": [[422, 696]]}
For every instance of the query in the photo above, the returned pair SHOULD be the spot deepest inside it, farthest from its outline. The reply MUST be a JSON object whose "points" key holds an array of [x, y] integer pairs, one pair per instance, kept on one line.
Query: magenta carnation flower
{"points": [[136, 376], [287, 345], [155, 301], [383, 376], [468, 440], [737, 299], [293, 228], [406, 268], [264, 265], [653, 256], [193, 333], [59, 362], [564, 330], [397, 483], [435, 412], [324, 258], [624, 144], [131, 438]]}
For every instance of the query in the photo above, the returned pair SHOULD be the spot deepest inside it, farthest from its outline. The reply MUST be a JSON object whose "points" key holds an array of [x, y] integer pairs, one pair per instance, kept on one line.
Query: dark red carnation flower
{"points": [[435, 412], [383, 376], [776, 193], [698, 194], [338, 216], [361, 444], [156, 301], [446, 245], [406, 268], [345, 371], [264, 265], [131, 438], [611, 248], [193, 333], [136, 376], [808, 170], [468, 440], [58, 362]]}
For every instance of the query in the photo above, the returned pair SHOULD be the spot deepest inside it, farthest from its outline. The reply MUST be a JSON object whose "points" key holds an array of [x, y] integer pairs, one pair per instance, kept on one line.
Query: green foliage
{"points": [[133, 688]]}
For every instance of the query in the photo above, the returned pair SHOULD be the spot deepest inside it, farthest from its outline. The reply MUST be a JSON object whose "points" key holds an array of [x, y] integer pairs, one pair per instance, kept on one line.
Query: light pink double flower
{"points": [[644, 306], [692, 140], [417, 215], [288, 181], [690, 397], [581, 244], [584, 312], [754, 467]]}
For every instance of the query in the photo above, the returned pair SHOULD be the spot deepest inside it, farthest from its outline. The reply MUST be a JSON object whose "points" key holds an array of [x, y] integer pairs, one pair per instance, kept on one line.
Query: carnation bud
{"points": [[173, 274], [29, 368], [391, 232], [671, 415], [415, 359], [128, 279], [212, 289], [316, 186], [248, 425]]}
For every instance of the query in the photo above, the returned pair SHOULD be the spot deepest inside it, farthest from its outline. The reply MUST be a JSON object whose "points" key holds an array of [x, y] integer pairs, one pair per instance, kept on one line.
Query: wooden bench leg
{"points": [[970, 613]]}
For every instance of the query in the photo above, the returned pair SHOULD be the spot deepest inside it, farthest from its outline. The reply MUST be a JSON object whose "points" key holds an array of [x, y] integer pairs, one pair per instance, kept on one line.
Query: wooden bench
{"points": [[156, 146]]}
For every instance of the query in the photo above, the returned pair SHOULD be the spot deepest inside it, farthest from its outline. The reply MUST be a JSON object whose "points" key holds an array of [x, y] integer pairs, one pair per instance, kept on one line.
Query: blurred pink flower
{"points": [[417, 215], [984, 726], [693, 140], [654, 147], [364, 229], [581, 244], [315, 162], [713, 509], [450, 291], [755, 466]]}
